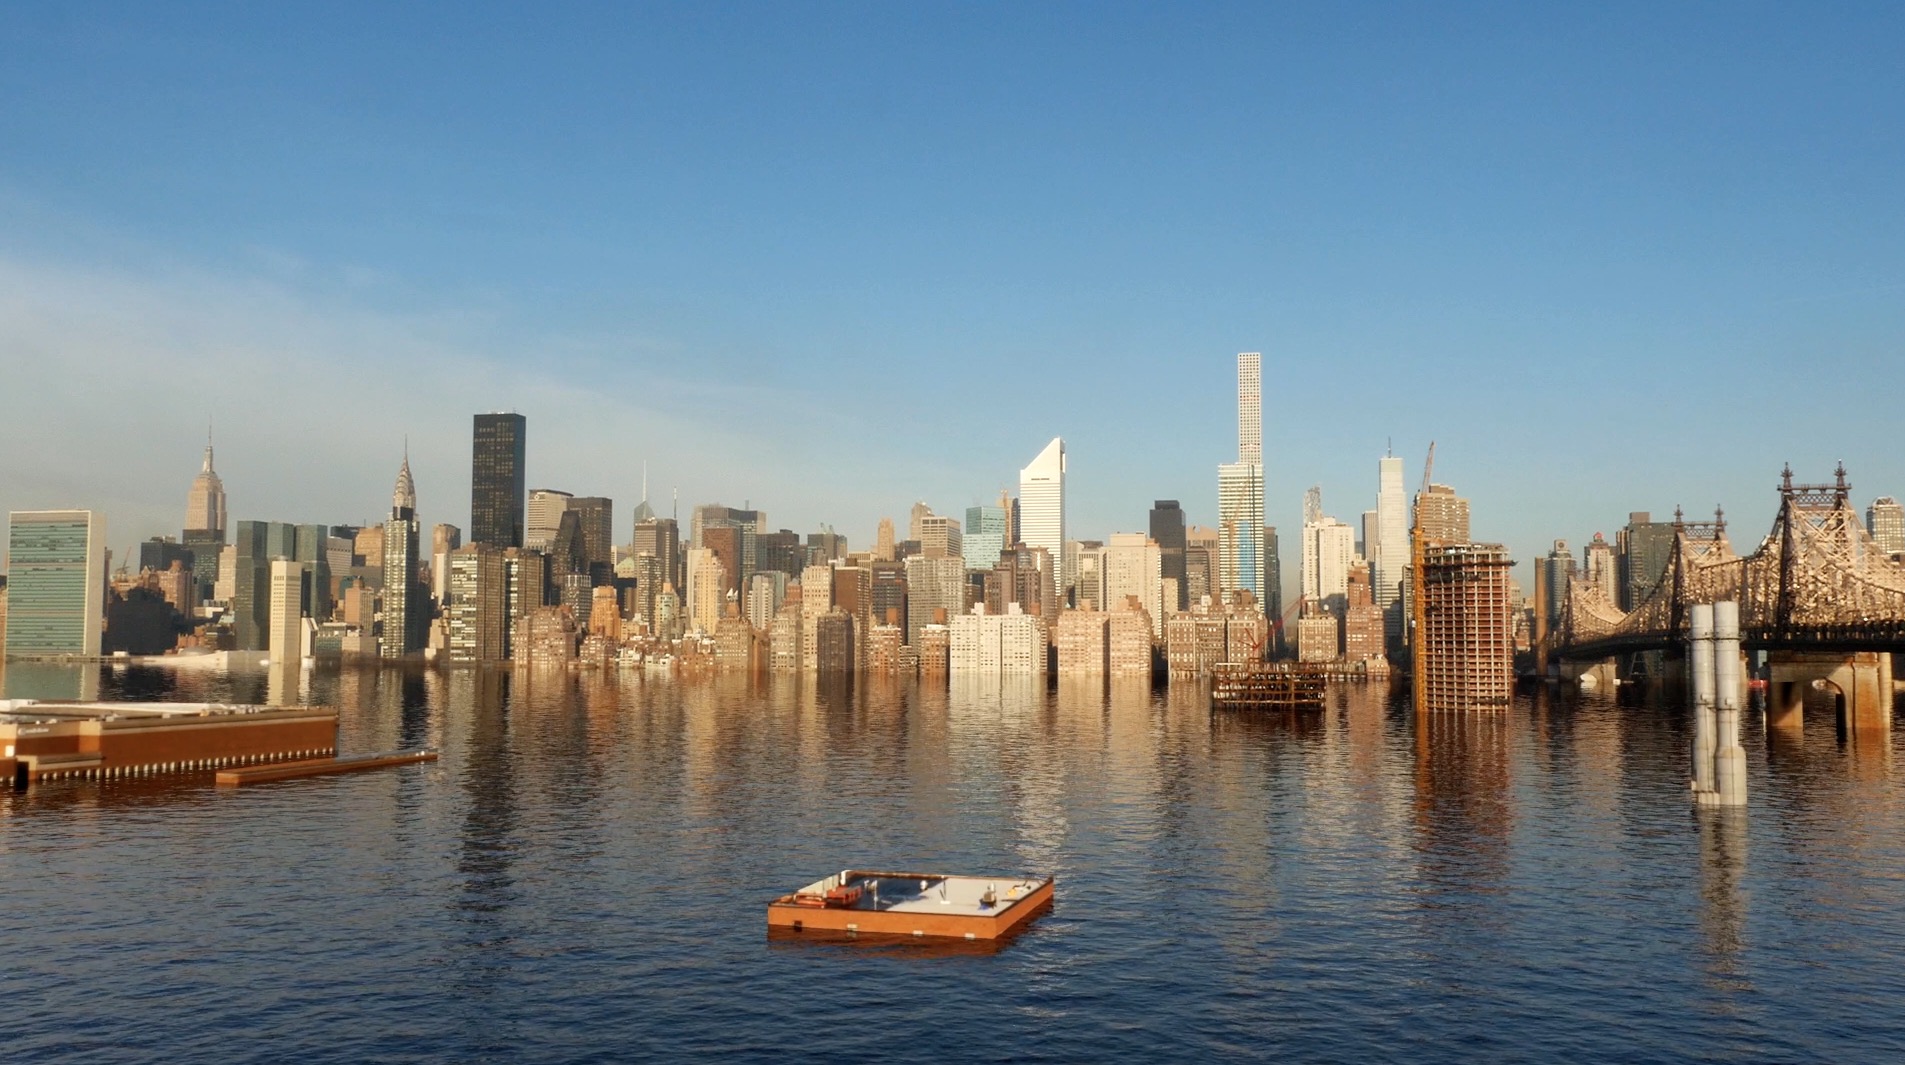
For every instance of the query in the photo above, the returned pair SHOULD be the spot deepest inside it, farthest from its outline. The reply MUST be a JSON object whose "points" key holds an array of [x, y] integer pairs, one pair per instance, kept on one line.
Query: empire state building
{"points": [[204, 533]]}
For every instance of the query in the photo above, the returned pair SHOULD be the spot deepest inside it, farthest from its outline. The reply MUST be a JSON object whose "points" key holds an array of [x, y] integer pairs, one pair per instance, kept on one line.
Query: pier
{"points": [[322, 767]]}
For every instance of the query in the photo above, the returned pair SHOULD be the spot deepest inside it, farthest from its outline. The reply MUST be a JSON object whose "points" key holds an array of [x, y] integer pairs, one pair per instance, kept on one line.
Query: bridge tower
{"points": [[1818, 529]]}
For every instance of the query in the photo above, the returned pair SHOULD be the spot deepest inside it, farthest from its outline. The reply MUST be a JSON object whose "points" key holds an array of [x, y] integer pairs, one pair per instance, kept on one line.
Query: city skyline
{"points": [[1383, 206], [1526, 562]]}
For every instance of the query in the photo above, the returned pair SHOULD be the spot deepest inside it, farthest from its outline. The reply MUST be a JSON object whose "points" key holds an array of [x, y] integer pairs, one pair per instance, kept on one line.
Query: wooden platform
{"points": [[322, 767]]}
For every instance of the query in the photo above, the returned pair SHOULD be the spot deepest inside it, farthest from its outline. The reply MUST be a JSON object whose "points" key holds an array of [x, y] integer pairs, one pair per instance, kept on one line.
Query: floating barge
{"points": [[75, 740], [1261, 686], [912, 904]]}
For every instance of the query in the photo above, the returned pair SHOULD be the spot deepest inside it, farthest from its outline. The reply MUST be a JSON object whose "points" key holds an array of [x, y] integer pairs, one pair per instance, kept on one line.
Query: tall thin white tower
{"points": [[1240, 534], [1389, 555], [1250, 407], [1042, 508]]}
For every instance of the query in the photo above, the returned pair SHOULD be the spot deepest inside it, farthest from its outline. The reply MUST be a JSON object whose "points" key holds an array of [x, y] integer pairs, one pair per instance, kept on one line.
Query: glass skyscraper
{"points": [[56, 585], [1240, 559], [1167, 528], [497, 487]]}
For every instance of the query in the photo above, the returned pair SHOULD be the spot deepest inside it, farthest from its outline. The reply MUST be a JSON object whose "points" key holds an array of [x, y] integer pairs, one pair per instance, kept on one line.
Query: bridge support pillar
{"points": [[1718, 678], [1594, 675], [1861, 682]]}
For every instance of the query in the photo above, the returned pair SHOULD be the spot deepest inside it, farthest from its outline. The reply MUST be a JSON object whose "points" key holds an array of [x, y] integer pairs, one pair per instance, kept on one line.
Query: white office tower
{"points": [[287, 639], [1329, 546], [1389, 555], [816, 599], [707, 589], [1042, 507], [1133, 568], [1240, 552]]}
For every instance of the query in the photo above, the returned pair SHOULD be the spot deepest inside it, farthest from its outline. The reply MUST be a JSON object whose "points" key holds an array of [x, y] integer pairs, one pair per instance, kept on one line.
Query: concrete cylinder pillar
{"points": [[1729, 769], [1700, 664]]}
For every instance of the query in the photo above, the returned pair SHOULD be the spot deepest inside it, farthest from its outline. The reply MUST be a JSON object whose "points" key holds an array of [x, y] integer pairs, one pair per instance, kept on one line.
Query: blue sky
{"points": [[832, 259]]}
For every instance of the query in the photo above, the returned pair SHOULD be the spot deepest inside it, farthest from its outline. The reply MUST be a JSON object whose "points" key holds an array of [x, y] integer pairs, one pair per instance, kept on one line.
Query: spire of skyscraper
{"points": [[403, 501], [205, 503]]}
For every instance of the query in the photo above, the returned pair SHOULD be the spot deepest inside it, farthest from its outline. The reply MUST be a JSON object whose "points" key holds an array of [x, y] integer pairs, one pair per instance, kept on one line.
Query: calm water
{"points": [[583, 876]]}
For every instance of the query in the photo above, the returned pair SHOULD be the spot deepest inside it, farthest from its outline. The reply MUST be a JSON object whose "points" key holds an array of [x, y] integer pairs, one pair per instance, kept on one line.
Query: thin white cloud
{"points": [[110, 377]]}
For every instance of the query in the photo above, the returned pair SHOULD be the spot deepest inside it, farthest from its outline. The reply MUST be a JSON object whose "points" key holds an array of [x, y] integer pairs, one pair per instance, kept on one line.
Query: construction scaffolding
{"points": [[1465, 638], [1262, 686]]}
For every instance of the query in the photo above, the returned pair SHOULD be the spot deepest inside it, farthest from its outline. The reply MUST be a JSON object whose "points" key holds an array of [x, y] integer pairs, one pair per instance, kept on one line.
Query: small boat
{"points": [[915, 904]]}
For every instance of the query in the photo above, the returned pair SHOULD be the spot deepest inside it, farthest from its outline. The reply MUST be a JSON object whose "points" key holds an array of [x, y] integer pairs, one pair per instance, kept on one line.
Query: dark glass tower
{"points": [[497, 488], [1167, 528]]}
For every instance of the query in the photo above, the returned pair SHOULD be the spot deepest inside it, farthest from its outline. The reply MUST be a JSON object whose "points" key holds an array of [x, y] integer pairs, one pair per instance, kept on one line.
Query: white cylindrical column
{"points": [[1700, 678], [1729, 771]]}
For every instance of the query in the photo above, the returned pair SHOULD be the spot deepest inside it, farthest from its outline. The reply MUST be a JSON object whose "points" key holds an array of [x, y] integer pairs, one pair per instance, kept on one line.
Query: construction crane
{"points": [[1276, 626]]}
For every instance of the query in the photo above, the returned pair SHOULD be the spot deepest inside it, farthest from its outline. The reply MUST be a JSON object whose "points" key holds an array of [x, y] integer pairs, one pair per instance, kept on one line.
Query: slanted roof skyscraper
{"points": [[1042, 508]]}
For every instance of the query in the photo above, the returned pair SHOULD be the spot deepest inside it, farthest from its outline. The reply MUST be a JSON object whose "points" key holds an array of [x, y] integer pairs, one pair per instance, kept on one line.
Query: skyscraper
{"points": [[748, 525], [1042, 508], [546, 506], [1646, 550], [939, 537], [204, 531], [1167, 529], [1557, 572], [1465, 653], [291, 606], [883, 541], [1250, 407], [597, 514], [1133, 568], [1885, 520], [496, 480], [1329, 548], [661, 538], [56, 585], [1442, 516], [985, 536], [477, 604], [1602, 568], [406, 604], [1389, 556], [1240, 488]]}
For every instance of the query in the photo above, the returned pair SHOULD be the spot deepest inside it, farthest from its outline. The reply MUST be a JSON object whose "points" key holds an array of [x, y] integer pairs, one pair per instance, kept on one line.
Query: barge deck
{"points": [[916, 904]]}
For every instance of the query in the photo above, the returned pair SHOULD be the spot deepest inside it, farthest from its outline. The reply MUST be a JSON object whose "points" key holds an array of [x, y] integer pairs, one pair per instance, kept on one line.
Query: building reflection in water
{"points": [[1464, 811], [1723, 837], [22, 679], [487, 845]]}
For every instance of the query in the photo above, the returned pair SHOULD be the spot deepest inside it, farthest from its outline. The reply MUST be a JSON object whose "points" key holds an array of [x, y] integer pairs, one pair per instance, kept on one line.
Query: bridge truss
{"points": [[1818, 581]]}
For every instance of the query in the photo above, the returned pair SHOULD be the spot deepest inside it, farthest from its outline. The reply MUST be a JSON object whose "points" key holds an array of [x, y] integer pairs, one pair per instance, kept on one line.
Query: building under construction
{"points": [[1464, 643]]}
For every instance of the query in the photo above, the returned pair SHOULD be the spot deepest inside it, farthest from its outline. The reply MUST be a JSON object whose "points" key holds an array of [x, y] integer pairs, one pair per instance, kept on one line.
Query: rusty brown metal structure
{"points": [[1817, 582]]}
